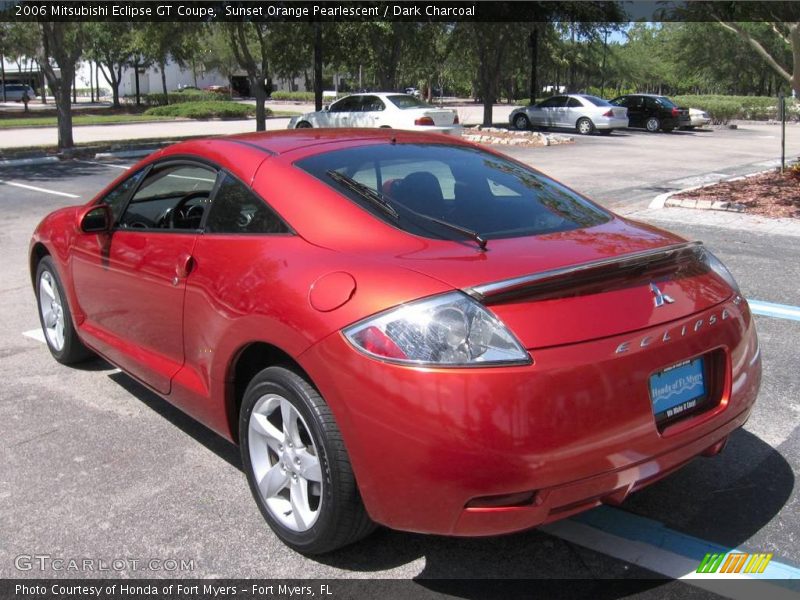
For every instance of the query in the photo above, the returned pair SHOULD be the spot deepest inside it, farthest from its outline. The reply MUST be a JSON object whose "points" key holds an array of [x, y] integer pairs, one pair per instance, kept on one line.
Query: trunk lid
{"points": [[583, 284], [441, 117]]}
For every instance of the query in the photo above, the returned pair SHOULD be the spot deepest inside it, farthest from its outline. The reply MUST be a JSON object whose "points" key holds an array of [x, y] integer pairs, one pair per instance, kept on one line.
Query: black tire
{"points": [[72, 350], [341, 518], [303, 125], [584, 126], [652, 124], [521, 121]]}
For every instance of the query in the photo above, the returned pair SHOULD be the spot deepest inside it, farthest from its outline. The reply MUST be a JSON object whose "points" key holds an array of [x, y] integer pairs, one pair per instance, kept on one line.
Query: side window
{"points": [[554, 102], [236, 209], [171, 197], [371, 104], [349, 104], [117, 197], [574, 103]]}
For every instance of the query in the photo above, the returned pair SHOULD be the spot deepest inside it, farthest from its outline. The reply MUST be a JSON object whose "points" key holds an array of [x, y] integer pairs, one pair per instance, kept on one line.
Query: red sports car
{"points": [[401, 328]]}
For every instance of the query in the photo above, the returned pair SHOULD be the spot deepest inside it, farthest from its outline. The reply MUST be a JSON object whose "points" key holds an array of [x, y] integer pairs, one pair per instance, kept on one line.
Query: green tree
{"points": [[249, 43], [62, 47], [111, 45]]}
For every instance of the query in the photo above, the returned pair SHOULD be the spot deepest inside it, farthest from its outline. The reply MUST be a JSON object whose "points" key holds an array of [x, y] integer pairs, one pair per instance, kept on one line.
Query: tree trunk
{"points": [[44, 86], [261, 96], [533, 42], [3, 75], [163, 67], [136, 73], [91, 84], [317, 65], [64, 111]]}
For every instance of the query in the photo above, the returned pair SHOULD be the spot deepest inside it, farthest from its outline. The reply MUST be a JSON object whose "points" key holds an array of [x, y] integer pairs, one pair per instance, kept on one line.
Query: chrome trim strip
{"points": [[488, 290]]}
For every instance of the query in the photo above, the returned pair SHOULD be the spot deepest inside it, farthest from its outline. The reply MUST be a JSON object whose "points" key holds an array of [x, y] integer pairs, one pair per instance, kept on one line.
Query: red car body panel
{"points": [[572, 429]]}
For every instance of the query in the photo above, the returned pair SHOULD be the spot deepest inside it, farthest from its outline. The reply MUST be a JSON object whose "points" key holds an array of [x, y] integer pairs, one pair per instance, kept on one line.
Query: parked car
{"points": [[412, 91], [15, 91], [387, 110], [401, 328], [697, 118], [653, 112], [585, 113]]}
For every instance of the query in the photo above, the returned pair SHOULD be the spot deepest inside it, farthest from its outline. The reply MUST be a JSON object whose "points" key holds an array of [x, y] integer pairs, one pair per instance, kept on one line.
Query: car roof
{"points": [[311, 141], [380, 94]]}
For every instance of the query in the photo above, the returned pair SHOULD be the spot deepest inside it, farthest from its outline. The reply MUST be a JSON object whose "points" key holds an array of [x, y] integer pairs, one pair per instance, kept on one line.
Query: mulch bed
{"points": [[772, 194]]}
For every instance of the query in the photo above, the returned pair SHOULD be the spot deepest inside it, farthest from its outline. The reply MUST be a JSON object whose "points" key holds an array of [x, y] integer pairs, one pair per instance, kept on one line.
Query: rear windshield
{"points": [[404, 101], [596, 101], [472, 189], [665, 102]]}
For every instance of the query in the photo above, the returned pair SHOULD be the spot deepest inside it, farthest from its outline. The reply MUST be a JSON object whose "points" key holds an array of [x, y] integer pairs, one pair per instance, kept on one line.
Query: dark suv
{"points": [[653, 112]]}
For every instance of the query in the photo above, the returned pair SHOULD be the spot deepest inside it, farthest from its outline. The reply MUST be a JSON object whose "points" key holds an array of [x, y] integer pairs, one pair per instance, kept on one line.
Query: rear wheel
{"points": [[653, 124], [303, 125], [521, 121], [54, 315], [297, 465], [584, 126]]}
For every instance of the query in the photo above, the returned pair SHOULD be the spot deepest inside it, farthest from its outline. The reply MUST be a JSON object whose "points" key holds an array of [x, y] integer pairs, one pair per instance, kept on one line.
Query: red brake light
{"points": [[675, 111], [609, 113], [375, 341], [424, 121]]}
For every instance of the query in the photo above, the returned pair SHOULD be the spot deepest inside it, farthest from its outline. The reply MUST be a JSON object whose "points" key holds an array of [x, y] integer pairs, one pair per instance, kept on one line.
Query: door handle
{"points": [[185, 265]]}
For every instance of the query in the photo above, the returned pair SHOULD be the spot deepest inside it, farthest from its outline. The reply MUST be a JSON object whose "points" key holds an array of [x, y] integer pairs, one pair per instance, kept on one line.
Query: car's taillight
{"points": [[675, 112], [424, 121], [609, 113], [450, 330], [455, 120]]}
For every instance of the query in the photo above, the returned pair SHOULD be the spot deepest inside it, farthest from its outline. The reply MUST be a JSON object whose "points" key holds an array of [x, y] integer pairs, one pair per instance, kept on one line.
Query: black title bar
{"points": [[400, 10]]}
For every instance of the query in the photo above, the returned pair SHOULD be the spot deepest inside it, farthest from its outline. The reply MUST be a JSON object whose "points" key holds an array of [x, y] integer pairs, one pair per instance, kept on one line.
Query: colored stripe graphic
{"points": [[734, 563]]}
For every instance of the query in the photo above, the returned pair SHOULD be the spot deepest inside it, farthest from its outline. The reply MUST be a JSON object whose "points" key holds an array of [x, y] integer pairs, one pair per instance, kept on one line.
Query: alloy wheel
{"points": [[52, 310]]}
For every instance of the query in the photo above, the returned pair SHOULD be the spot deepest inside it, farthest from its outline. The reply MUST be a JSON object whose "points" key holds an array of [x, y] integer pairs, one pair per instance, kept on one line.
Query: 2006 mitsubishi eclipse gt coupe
{"points": [[401, 328]]}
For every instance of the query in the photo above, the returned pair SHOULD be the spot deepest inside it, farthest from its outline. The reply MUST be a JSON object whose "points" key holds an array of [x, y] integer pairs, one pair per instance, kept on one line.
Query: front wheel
{"points": [[584, 126], [303, 125], [521, 121], [297, 465], [54, 315], [653, 124]]}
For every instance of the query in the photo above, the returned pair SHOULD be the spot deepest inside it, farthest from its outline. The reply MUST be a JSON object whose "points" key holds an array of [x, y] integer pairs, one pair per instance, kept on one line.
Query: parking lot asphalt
{"points": [[97, 466]]}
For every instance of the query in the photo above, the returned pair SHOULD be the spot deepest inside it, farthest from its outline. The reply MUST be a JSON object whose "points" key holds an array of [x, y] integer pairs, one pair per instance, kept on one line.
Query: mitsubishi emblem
{"points": [[660, 299]]}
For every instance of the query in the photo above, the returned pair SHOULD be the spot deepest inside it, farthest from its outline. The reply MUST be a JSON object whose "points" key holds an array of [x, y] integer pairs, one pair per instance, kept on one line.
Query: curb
{"points": [[662, 200], [24, 162], [124, 154]]}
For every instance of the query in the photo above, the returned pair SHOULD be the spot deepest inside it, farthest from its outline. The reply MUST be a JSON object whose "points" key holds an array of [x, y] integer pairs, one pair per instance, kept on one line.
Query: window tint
{"points": [[403, 101], [117, 197], [462, 186], [171, 197], [665, 102], [596, 101], [554, 102], [349, 104], [236, 209], [574, 103], [371, 104]]}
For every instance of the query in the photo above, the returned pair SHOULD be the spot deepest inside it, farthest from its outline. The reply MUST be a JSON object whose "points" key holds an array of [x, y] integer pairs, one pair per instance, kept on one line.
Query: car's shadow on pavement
{"points": [[726, 500]]}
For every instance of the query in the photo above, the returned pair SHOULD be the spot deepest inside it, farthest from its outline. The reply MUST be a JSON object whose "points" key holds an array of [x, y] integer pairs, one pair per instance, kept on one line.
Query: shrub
{"points": [[156, 99], [212, 109], [301, 96], [722, 109]]}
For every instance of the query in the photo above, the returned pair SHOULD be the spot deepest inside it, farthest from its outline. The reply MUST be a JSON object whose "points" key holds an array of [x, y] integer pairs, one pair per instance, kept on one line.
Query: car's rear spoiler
{"points": [[592, 272]]}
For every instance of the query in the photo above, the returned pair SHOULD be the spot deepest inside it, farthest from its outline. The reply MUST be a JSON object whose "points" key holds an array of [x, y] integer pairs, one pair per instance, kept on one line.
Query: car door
{"points": [[343, 112], [635, 106], [130, 283], [550, 108], [573, 111]]}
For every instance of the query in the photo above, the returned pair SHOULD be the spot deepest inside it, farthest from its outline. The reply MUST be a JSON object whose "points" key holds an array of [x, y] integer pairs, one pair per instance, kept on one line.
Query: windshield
{"points": [[486, 194], [596, 101], [404, 101]]}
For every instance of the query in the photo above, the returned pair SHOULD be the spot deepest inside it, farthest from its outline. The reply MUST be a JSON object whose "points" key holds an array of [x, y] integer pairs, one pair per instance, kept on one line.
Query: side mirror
{"points": [[96, 219], [326, 107]]}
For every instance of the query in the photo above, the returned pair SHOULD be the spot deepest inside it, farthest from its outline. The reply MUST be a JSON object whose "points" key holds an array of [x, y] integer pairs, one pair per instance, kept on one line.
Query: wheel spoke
{"points": [[59, 335], [273, 436], [273, 481], [46, 286], [309, 467], [289, 416], [298, 498]]}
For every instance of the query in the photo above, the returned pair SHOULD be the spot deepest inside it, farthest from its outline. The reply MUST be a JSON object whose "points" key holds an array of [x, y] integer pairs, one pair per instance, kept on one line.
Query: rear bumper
{"points": [[609, 123], [572, 430]]}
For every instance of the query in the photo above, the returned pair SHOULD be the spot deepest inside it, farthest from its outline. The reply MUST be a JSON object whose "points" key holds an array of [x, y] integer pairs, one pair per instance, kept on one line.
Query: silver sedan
{"points": [[585, 113]]}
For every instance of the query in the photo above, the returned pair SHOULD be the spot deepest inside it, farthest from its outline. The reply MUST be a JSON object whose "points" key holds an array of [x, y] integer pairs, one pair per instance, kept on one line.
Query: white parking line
{"points": [[38, 189], [95, 162], [35, 334]]}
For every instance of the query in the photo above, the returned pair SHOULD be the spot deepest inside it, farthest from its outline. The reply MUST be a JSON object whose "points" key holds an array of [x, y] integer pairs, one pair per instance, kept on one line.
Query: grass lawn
{"points": [[80, 119]]}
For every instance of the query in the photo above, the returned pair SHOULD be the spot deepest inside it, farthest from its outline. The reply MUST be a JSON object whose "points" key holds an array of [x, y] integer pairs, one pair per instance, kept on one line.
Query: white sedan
{"points": [[698, 118], [582, 112], [388, 110]]}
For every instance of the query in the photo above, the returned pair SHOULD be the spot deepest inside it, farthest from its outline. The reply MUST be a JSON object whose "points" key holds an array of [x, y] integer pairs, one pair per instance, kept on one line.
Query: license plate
{"points": [[678, 389]]}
